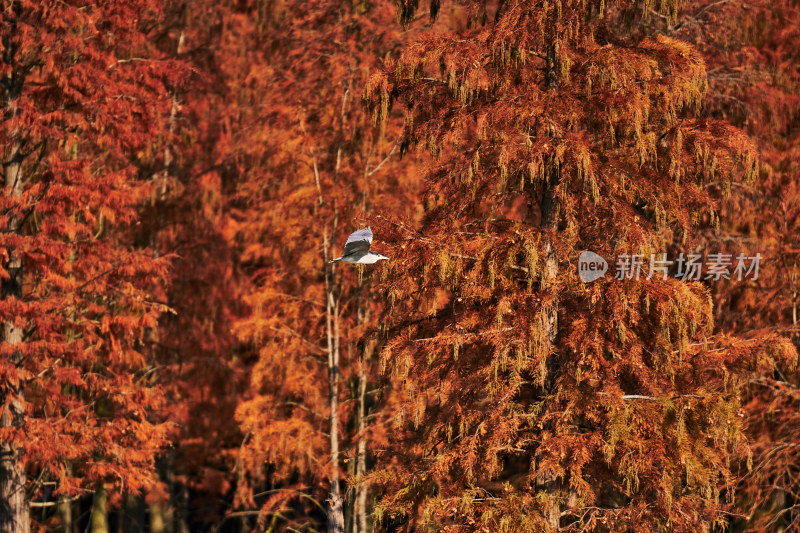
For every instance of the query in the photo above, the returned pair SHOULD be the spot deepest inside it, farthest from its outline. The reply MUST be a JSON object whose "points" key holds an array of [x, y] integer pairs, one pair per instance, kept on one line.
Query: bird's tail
{"points": [[335, 260]]}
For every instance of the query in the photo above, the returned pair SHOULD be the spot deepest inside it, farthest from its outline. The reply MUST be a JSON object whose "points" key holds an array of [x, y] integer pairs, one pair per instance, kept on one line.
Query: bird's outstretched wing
{"points": [[358, 242], [360, 235]]}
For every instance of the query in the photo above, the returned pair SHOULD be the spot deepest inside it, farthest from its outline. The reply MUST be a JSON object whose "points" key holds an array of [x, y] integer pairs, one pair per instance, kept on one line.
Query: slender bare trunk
{"points": [[360, 507], [335, 507], [361, 456]]}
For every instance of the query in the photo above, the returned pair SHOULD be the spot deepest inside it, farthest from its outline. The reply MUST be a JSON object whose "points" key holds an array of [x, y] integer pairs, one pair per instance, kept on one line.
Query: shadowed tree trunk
{"points": [[549, 221], [550, 323], [133, 510]]}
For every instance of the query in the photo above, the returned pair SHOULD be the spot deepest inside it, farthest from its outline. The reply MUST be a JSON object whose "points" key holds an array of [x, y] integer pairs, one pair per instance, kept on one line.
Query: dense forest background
{"points": [[179, 355]]}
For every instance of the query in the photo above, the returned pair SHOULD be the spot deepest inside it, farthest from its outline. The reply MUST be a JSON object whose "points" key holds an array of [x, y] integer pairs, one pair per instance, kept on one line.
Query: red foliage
{"points": [[84, 97]]}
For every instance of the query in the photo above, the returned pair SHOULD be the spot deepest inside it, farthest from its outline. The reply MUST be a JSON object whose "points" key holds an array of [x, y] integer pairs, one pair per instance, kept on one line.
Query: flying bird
{"points": [[356, 249]]}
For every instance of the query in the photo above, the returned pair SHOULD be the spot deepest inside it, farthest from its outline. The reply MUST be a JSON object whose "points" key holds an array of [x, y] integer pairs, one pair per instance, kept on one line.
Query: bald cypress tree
{"points": [[83, 94], [528, 399], [317, 170]]}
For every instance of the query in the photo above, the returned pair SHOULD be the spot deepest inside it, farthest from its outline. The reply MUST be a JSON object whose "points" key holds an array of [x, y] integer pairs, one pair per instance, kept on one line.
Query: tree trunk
{"points": [[133, 519], [99, 521], [65, 513], [361, 455], [335, 508], [14, 510], [360, 510], [548, 482], [156, 512], [549, 221]]}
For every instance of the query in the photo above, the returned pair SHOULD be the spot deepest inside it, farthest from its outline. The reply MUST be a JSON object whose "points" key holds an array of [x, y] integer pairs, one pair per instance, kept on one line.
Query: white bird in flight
{"points": [[356, 249]]}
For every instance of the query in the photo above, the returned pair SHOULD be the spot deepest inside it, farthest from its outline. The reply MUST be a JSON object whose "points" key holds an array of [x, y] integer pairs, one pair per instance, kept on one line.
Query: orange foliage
{"points": [[625, 409], [752, 54], [188, 169]]}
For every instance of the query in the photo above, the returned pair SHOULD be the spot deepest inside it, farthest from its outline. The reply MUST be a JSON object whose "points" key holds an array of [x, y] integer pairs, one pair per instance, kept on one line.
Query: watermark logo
{"points": [[591, 266], [689, 267]]}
